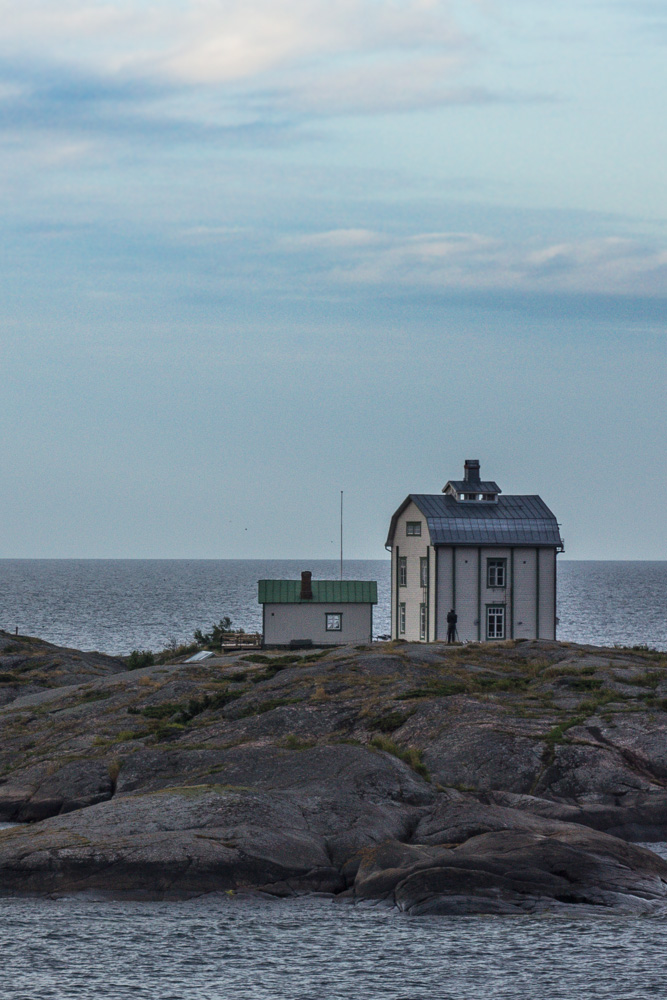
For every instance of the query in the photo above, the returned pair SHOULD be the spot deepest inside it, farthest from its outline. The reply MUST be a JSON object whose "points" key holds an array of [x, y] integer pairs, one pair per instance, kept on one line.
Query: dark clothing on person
{"points": [[452, 619]]}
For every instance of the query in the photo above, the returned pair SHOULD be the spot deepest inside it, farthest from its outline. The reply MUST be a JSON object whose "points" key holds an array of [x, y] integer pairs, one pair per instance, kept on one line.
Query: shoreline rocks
{"points": [[488, 779]]}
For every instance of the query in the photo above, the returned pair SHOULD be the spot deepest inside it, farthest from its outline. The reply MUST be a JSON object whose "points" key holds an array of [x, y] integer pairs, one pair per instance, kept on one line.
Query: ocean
{"points": [[312, 948], [116, 606], [217, 948]]}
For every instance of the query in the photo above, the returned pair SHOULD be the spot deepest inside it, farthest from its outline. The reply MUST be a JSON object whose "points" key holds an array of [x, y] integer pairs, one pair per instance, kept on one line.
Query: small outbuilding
{"points": [[309, 612]]}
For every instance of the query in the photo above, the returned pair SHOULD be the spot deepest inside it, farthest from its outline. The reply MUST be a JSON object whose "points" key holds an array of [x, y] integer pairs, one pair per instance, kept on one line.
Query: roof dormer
{"points": [[472, 489]]}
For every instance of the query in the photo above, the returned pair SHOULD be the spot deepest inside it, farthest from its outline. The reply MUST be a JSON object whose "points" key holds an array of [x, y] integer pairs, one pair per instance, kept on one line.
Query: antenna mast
{"points": [[341, 534]]}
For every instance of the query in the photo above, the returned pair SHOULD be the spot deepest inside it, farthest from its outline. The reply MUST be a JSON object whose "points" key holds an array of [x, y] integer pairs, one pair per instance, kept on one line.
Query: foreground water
{"points": [[316, 949], [119, 605]]}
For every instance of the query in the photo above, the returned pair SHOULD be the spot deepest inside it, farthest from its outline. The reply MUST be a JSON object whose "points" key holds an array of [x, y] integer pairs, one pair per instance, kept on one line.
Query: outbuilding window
{"points": [[413, 528], [334, 621], [495, 621], [496, 572]]}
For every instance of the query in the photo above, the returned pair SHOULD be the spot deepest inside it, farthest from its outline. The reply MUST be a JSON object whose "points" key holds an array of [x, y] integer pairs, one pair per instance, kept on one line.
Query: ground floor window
{"points": [[495, 621], [334, 621], [422, 621], [401, 619]]}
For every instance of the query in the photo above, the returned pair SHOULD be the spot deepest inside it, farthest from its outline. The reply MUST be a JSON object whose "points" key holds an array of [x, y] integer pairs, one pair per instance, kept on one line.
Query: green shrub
{"points": [[139, 658], [217, 634], [586, 684]]}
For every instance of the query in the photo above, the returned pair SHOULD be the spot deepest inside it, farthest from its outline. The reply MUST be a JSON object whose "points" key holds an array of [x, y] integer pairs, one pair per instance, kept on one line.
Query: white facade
{"points": [[293, 623], [441, 559]]}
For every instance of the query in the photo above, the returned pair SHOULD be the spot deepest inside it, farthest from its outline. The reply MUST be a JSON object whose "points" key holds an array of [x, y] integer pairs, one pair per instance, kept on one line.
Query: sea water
{"points": [[119, 605], [221, 948]]}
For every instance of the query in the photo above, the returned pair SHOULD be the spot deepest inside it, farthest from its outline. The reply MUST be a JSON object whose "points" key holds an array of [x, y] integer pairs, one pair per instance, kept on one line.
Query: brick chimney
{"points": [[306, 585], [471, 470]]}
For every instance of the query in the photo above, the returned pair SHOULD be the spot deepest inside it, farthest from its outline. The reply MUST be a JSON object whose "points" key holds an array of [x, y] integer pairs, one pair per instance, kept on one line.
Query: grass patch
{"points": [[472, 685], [267, 706], [409, 755], [390, 721], [556, 734], [184, 712], [434, 691], [275, 661], [9, 679], [93, 696], [649, 679], [568, 671], [294, 742]]}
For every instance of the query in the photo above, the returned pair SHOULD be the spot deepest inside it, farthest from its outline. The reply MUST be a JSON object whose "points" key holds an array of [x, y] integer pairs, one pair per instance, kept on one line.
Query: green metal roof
{"points": [[324, 592]]}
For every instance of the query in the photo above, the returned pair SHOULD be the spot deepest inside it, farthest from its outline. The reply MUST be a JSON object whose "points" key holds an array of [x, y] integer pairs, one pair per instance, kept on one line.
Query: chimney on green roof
{"points": [[306, 585]]}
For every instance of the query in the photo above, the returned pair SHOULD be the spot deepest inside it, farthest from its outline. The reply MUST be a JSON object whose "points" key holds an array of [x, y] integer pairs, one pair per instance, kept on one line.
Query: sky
{"points": [[259, 253]]}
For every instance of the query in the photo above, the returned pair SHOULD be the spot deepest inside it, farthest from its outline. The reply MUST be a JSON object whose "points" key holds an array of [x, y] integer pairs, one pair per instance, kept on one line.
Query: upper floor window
{"points": [[496, 572], [402, 571], [413, 528], [423, 572]]}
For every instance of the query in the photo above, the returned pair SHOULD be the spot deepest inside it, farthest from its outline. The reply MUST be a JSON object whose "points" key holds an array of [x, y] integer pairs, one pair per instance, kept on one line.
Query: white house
{"points": [[491, 558], [311, 612]]}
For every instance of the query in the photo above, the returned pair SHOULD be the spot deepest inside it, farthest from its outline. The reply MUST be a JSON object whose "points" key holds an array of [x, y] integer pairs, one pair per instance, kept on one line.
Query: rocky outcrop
{"points": [[496, 778], [516, 871]]}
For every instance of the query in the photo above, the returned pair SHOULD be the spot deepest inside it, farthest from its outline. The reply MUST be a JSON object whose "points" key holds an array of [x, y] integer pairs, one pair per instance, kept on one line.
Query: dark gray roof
{"points": [[470, 486], [513, 520]]}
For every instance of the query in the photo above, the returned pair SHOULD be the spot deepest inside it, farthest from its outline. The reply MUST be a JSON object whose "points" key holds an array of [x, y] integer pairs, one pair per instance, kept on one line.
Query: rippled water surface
{"points": [[119, 605], [315, 949]]}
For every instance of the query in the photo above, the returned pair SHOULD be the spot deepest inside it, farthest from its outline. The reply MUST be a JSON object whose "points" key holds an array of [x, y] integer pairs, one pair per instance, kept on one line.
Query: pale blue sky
{"points": [[257, 253]]}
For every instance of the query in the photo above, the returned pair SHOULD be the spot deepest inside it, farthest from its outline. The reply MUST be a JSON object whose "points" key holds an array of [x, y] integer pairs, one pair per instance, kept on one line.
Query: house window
{"points": [[402, 571], [413, 528], [495, 621], [423, 572], [334, 621], [422, 621], [401, 619], [496, 572]]}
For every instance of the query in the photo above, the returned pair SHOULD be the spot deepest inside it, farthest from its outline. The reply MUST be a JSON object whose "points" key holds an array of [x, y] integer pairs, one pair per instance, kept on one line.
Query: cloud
{"points": [[307, 57], [474, 261]]}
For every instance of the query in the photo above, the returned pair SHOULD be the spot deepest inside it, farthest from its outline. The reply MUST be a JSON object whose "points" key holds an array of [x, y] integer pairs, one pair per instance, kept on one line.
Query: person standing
{"points": [[452, 619]]}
